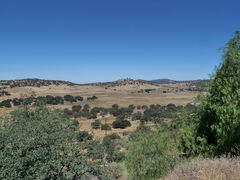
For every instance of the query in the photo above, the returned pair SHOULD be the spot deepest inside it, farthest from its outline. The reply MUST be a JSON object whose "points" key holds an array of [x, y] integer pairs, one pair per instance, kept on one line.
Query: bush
{"points": [[6, 103], [151, 155], [67, 112], [109, 143], [137, 116], [219, 116], [86, 108], [83, 136], [69, 98], [116, 169], [125, 133], [76, 108], [75, 124], [79, 98], [38, 143], [96, 124], [106, 127], [16, 102], [122, 124]]}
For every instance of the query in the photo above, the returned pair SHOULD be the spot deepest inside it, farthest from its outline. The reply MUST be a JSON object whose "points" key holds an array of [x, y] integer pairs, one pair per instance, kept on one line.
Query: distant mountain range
{"points": [[122, 82], [160, 81], [165, 81]]}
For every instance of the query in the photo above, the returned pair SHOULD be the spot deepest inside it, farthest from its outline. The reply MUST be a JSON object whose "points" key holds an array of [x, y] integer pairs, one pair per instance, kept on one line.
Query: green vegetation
{"points": [[69, 98], [92, 98], [4, 93], [83, 136], [218, 120], [6, 103], [96, 124], [48, 100], [152, 154], [122, 124], [37, 143], [208, 130]]}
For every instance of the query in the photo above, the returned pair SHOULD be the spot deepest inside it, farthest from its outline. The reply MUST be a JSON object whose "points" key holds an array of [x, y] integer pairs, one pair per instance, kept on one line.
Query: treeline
{"points": [[34, 83], [153, 113], [48, 100]]}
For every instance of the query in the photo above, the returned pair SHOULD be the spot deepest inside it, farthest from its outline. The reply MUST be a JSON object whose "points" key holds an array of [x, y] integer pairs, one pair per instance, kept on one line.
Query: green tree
{"points": [[96, 124], [122, 124], [219, 115], [76, 108], [37, 143], [151, 154]]}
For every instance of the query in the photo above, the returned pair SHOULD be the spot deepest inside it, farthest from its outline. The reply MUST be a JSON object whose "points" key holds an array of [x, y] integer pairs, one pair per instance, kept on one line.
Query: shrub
{"points": [[151, 155], [75, 123], [67, 112], [92, 98], [137, 116], [16, 102], [131, 107], [77, 114], [95, 150], [125, 133], [116, 169], [69, 98], [6, 103], [28, 100], [122, 124], [59, 100], [51, 100], [38, 143], [76, 108], [79, 98], [83, 136], [106, 127], [86, 108], [219, 115], [96, 124], [109, 143]]}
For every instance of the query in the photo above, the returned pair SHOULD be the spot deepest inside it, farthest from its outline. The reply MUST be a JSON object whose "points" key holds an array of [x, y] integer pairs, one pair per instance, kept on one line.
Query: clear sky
{"points": [[103, 40]]}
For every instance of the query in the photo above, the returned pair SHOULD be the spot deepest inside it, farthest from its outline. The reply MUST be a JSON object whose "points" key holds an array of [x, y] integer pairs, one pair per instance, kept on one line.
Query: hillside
{"points": [[33, 83], [121, 82]]}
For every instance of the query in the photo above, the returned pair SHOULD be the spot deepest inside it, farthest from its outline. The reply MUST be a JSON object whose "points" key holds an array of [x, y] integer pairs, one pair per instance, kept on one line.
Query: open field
{"points": [[107, 96]]}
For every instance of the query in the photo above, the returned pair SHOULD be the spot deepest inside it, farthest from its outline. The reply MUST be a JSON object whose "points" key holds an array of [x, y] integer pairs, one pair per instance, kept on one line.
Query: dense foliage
{"points": [[32, 100], [122, 124], [152, 154], [217, 126], [36, 143]]}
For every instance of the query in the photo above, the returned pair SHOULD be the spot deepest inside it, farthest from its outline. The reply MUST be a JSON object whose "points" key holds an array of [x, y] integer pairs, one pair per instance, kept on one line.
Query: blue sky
{"points": [[104, 40]]}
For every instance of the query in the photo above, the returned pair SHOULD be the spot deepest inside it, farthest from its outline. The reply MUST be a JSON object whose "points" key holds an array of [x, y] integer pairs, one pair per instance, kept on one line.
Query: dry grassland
{"points": [[123, 96]]}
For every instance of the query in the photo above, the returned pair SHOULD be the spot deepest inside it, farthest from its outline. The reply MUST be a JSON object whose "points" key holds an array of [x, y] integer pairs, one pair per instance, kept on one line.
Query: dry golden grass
{"points": [[85, 125], [207, 169], [120, 95], [123, 96]]}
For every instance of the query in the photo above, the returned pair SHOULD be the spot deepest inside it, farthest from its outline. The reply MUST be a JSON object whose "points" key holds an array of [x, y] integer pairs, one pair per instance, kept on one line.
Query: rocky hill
{"points": [[33, 83], [122, 82]]}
